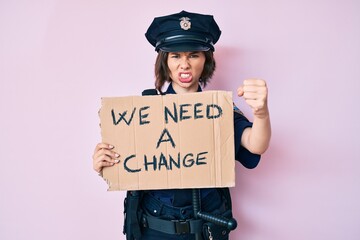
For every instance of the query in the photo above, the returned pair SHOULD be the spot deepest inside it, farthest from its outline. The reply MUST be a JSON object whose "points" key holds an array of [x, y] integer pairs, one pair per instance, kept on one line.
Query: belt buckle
{"points": [[181, 226]]}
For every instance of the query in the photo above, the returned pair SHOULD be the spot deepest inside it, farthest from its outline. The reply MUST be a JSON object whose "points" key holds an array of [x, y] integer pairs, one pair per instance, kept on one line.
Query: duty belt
{"points": [[189, 226]]}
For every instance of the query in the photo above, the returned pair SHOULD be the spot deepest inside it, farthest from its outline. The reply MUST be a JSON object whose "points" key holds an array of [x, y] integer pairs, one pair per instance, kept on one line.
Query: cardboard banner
{"points": [[170, 141]]}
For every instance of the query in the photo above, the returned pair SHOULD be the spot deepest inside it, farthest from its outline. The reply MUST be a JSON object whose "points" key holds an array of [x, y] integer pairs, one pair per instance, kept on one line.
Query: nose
{"points": [[184, 63]]}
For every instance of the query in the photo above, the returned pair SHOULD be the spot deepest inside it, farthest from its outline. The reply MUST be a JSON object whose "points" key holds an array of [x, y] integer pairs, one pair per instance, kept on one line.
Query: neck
{"points": [[179, 89]]}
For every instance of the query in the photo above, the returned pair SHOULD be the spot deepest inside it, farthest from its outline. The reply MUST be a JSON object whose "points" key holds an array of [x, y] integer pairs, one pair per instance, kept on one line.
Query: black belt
{"points": [[190, 226]]}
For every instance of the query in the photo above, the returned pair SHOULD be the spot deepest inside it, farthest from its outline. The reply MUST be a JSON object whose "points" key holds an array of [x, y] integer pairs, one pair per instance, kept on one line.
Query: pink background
{"points": [[57, 58]]}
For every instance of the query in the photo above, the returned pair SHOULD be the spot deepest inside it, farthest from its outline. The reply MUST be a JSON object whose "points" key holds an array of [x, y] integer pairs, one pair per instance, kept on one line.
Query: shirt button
{"points": [[183, 211]]}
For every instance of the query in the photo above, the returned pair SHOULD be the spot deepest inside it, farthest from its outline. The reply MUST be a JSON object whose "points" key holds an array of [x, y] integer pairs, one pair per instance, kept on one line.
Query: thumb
{"points": [[240, 91]]}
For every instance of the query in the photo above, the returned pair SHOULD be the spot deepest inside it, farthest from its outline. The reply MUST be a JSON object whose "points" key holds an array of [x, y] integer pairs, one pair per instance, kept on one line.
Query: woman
{"points": [[185, 45]]}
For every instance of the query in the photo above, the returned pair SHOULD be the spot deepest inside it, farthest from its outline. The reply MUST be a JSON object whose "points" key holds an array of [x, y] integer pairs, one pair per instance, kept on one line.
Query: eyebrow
{"points": [[196, 52]]}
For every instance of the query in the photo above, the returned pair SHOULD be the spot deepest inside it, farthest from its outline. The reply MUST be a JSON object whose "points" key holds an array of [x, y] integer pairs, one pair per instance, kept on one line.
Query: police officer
{"points": [[185, 45]]}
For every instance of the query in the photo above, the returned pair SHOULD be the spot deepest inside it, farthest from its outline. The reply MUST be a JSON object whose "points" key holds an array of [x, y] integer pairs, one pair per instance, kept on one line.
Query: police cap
{"points": [[183, 32]]}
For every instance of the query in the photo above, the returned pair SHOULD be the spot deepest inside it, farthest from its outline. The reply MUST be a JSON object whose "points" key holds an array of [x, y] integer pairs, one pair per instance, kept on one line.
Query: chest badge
{"points": [[185, 23]]}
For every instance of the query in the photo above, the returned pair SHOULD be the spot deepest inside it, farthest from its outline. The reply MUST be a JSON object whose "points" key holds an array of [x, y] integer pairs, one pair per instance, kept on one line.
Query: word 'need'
{"points": [[175, 113]]}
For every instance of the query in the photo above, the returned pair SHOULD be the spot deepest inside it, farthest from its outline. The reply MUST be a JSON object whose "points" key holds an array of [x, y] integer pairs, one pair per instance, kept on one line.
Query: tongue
{"points": [[185, 80]]}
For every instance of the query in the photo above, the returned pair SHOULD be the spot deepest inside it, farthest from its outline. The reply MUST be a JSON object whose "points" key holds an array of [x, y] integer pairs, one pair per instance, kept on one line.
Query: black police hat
{"points": [[183, 32]]}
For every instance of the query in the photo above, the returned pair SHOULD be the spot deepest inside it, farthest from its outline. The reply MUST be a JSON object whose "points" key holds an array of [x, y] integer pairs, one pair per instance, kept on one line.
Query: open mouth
{"points": [[185, 77]]}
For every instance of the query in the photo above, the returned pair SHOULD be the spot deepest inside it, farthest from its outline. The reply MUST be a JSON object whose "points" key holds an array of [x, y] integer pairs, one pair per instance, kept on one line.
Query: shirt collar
{"points": [[170, 89]]}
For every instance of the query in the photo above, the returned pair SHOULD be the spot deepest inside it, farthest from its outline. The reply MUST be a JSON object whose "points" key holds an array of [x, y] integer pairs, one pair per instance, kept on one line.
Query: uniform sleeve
{"points": [[247, 159]]}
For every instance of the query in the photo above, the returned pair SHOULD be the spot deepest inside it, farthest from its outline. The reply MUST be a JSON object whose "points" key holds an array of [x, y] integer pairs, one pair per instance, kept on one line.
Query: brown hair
{"points": [[162, 69]]}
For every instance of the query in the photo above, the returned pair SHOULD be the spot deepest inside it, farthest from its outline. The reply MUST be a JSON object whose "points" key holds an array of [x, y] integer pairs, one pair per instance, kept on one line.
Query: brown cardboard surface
{"points": [[191, 148]]}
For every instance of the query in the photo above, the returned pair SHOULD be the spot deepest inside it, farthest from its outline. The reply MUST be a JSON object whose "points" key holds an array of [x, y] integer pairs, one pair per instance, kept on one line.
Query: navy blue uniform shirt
{"points": [[183, 197]]}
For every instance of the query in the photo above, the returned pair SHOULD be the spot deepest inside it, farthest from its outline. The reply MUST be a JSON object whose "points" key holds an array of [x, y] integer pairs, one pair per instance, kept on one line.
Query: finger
{"points": [[251, 96], [100, 165], [254, 88], [103, 145], [254, 82], [106, 152], [250, 88], [261, 98], [105, 158], [255, 92], [240, 91]]}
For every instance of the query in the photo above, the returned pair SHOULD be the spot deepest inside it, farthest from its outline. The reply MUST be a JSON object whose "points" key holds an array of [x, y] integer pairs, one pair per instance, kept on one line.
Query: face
{"points": [[185, 70]]}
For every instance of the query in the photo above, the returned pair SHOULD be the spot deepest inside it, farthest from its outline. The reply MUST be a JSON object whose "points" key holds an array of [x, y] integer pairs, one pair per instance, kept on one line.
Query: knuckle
{"points": [[261, 82], [104, 158], [108, 164]]}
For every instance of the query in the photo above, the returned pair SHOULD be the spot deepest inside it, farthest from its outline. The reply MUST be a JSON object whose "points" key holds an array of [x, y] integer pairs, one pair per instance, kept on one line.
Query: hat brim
{"points": [[184, 47]]}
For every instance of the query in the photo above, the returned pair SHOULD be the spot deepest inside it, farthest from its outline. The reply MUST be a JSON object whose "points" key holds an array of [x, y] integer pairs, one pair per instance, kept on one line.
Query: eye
{"points": [[194, 55], [174, 55]]}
